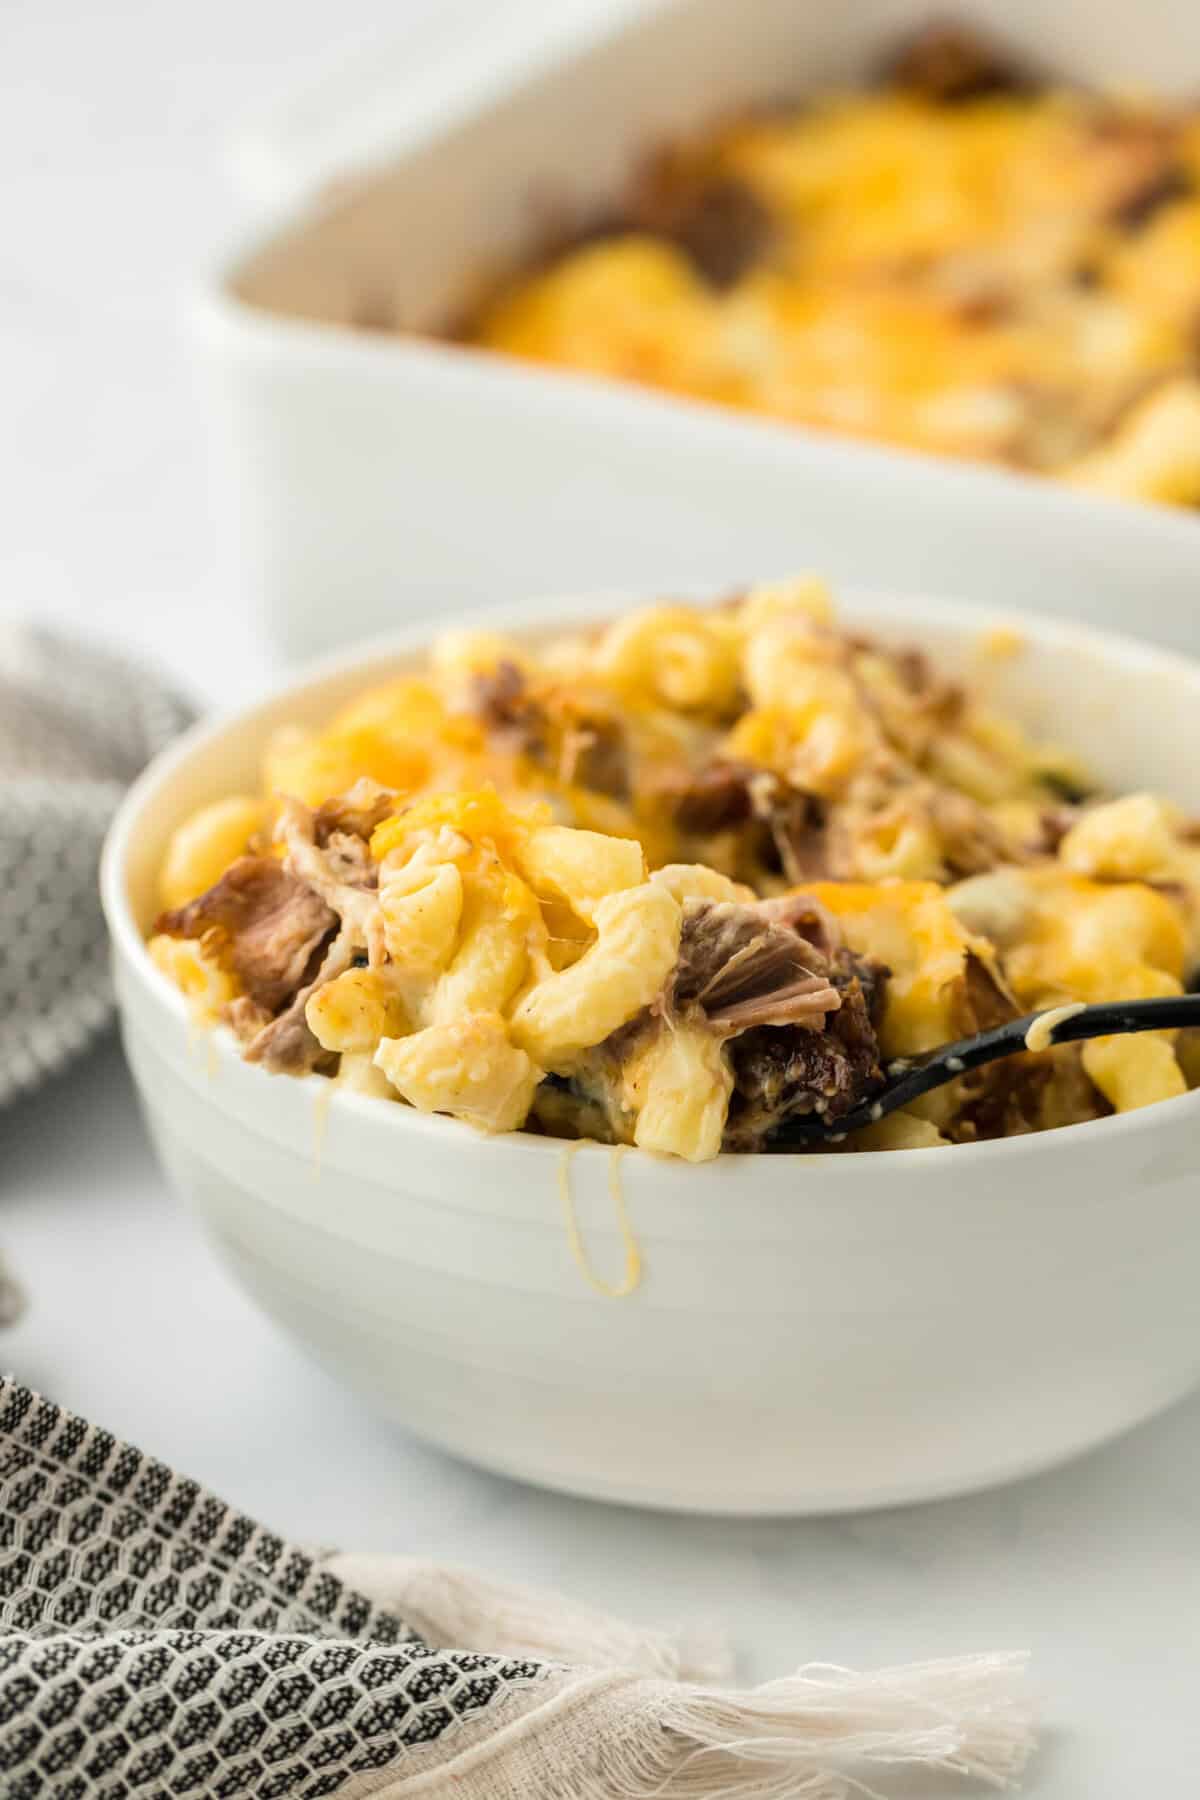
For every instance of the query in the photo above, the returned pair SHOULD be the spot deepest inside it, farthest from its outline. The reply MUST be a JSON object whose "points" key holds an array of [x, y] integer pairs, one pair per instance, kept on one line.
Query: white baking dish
{"points": [[812, 1333], [379, 478]]}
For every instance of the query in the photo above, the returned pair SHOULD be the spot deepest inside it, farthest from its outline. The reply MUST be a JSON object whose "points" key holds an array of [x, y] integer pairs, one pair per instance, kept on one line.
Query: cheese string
{"points": [[322, 1099], [633, 1255]]}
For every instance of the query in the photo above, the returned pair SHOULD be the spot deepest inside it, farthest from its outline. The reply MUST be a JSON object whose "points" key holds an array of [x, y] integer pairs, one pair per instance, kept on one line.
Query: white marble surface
{"points": [[110, 135]]}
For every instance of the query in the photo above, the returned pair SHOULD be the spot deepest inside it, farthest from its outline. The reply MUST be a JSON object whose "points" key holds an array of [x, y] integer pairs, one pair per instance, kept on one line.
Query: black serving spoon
{"points": [[906, 1079]]}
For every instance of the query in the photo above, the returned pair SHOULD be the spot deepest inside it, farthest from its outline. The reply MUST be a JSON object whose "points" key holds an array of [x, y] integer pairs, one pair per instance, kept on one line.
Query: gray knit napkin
{"points": [[76, 725]]}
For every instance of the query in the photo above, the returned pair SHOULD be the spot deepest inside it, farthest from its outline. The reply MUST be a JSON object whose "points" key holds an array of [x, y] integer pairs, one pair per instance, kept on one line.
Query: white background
{"points": [[112, 122]]}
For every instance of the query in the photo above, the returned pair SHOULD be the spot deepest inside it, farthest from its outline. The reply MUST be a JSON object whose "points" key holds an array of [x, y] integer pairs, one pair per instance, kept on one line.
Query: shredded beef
{"points": [[1053, 824], [726, 795], [780, 1073], [246, 1018], [342, 873], [799, 826], [719, 222], [940, 697], [1023, 1093], [950, 64], [725, 229], [264, 924], [1001, 1100], [985, 1001], [287, 1046], [716, 798], [601, 759], [871, 976], [798, 1008], [742, 967], [595, 747], [502, 701], [805, 913], [1019, 1093], [353, 814], [914, 668], [348, 860], [797, 1011], [971, 842], [1161, 187]]}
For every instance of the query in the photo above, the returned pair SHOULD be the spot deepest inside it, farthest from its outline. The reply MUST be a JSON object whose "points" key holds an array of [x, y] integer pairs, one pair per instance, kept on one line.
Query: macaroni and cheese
{"points": [[679, 881], [962, 260]]}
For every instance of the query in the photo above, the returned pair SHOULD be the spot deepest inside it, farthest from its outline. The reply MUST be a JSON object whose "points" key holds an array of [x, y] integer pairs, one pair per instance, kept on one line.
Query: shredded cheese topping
{"points": [[1012, 276], [667, 882]]}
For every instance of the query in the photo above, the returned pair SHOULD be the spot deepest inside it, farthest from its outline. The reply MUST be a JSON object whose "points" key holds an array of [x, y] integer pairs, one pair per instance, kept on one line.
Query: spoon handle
{"points": [[1112, 1018], [908, 1080]]}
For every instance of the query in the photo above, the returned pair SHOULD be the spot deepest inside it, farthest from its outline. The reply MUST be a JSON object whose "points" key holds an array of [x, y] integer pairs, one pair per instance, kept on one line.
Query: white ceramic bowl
{"points": [[812, 1333]]}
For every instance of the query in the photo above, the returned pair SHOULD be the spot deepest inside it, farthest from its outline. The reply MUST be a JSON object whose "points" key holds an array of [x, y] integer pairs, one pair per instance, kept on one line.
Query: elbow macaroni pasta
{"points": [[637, 938], [468, 941], [205, 845], [467, 1067], [207, 987], [678, 1091]]}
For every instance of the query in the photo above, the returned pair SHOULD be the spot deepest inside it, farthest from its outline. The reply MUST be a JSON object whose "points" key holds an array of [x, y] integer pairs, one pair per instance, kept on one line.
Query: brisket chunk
{"points": [[590, 750], [600, 758], [749, 965], [985, 1001], [263, 923], [288, 1047], [718, 222], [798, 823], [799, 1010], [353, 814], [948, 65], [723, 227], [500, 698], [716, 798], [726, 795], [342, 873], [1023, 1094], [348, 859], [943, 698], [1160, 188], [780, 1073]]}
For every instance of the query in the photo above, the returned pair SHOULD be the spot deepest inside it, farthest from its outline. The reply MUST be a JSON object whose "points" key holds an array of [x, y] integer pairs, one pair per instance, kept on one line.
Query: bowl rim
{"points": [[969, 619]]}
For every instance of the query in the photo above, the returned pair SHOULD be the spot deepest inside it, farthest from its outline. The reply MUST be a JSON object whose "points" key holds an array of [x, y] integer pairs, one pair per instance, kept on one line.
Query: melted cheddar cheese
{"points": [[1012, 274], [671, 880]]}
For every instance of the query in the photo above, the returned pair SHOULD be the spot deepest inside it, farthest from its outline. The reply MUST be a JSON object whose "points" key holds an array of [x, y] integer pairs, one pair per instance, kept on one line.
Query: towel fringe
{"points": [[453, 1606], [815, 1734]]}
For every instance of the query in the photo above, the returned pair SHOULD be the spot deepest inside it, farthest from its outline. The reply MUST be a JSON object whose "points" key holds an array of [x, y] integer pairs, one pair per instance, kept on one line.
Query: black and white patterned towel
{"points": [[155, 1642], [76, 725]]}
